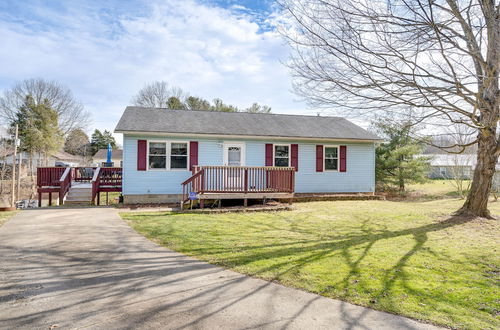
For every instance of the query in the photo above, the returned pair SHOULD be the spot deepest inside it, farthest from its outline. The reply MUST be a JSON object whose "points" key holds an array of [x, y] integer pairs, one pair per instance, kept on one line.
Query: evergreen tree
{"points": [[197, 103], [399, 160], [174, 103], [38, 127], [100, 141]]}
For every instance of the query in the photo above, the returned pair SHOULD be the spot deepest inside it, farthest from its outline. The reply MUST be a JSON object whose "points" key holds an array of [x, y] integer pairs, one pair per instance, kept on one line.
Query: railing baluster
{"points": [[233, 179]]}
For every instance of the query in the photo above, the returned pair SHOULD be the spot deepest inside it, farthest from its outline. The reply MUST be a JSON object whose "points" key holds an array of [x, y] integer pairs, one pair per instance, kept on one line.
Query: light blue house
{"points": [[168, 154]]}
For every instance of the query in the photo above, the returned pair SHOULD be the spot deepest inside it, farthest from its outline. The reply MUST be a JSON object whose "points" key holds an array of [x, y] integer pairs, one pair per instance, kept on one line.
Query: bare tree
{"points": [[460, 172], [436, 61], [460, 135], [158, 94], [71, 114]]}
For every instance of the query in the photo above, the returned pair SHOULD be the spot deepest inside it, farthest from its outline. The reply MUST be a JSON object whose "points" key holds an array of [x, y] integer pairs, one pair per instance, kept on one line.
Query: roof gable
{"points": [[158, 120], [103, 154]]}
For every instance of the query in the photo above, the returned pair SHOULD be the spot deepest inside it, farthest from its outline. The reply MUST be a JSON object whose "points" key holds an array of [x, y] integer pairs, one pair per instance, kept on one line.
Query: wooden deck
{"points": [[239, 182], [59, 180]]}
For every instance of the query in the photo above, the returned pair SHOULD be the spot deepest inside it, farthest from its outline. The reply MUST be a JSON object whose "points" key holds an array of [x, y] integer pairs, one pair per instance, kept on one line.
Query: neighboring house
{"points": [[451, 166], [162, 147], [102, 155], [4, 134], [59, 158]]}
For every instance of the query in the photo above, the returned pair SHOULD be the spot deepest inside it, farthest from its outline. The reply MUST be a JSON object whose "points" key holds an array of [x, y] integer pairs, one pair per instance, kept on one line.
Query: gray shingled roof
{"points": [[103, 154], [155, 120]]}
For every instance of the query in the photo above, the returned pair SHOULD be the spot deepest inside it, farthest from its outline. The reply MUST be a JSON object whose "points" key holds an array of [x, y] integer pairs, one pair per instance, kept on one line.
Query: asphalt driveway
{"points": [[86, 268]]}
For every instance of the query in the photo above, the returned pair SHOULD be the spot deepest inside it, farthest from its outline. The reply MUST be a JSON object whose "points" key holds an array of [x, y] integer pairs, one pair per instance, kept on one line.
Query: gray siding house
{"points": [[451, 166], [164, 148]]}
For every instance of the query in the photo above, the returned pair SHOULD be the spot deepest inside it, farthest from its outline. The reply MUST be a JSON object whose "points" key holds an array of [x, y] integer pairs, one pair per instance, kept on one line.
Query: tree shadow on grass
{"points": [[311, 251]]}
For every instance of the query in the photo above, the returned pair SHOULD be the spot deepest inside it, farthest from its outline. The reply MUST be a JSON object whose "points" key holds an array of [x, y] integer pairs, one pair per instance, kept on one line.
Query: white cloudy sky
{"points": [[104, 51]]}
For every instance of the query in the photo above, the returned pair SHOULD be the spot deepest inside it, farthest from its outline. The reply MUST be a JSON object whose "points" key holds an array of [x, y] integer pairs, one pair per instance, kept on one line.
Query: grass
{"points": [[5, 216], [408, 258], [112, 198], [435, 189]]}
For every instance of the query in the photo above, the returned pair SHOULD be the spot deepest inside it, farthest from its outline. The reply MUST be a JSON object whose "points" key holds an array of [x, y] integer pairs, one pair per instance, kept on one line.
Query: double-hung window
{"points": [[179, 155], [281, 155], [157, 155], [168, 155], [331, 158]]}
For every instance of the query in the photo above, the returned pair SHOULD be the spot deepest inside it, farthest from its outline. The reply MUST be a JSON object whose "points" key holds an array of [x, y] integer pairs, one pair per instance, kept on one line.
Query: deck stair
{"points": [[77, 185], [79, 194]]}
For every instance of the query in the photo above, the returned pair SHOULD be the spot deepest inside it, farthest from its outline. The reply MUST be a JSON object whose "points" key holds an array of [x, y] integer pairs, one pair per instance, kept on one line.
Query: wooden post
{"points": [[50, 199], [107, 200], [245, 202], [14, 156], [246, 180], [39, 199]]}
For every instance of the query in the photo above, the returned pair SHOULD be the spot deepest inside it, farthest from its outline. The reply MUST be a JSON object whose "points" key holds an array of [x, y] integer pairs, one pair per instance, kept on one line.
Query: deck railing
{"points": [[95, 184], [49, 176], [65, 183], [59, 180], [106, 179], [239, 179], [110, 177], [83, 174]]}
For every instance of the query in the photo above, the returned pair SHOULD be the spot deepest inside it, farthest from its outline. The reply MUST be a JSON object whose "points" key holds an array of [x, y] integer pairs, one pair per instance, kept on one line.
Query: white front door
{"points": [[234, 155]]}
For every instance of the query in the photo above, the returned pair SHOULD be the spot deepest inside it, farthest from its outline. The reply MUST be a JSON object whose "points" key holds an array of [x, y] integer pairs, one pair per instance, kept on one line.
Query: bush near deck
{"points": [[408, 258]]}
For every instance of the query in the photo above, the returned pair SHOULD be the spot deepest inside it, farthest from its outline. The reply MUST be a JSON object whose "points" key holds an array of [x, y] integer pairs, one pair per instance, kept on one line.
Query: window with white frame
{"points": [[178, 155], [281, 155], [331, 158], [157, 155]]}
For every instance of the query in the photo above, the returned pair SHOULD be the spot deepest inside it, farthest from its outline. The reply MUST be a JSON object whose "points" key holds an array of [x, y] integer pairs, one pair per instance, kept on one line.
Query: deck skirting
{"points": [[264, 195]]}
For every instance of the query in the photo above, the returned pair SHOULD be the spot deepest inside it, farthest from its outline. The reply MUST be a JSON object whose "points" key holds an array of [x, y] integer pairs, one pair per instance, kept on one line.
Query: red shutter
{"points": [[269, 154], [319, 158], [193, 154], [142, 148], [343, 154], [295, 156]]}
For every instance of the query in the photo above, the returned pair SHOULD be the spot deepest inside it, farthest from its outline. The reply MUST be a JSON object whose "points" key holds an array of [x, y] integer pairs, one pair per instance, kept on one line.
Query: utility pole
{"points": [[19, 167], [12, 191]]}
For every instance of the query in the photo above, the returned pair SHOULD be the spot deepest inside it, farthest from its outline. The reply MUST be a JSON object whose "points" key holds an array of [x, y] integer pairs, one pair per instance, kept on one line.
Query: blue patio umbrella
{"points": [[110, 150]]}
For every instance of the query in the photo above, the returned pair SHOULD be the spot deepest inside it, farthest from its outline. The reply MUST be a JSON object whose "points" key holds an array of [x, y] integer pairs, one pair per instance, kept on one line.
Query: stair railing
{"points": [[95, 183], [64, 184], [193, 184]]}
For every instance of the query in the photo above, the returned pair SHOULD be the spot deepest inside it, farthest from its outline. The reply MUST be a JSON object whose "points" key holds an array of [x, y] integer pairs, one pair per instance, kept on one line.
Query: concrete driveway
{"points": [[86, 268]]}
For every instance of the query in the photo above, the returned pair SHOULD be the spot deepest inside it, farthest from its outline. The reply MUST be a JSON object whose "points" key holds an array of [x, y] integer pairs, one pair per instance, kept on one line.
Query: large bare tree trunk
{"points": [[488, 104], [477, 199]]}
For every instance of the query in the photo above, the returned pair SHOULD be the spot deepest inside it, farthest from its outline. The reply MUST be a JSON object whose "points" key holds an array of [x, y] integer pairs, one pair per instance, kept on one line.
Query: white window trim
{"points": [[227, 144], [170, 154], [324, 157], [289, 153], [166, 156], [168, 145]]}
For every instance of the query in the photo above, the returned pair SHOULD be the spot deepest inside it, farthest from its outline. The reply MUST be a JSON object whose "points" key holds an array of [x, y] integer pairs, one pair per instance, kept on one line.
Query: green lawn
{"points": [[435, 189], [4, 216], [408, 258], [112, 198]]}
